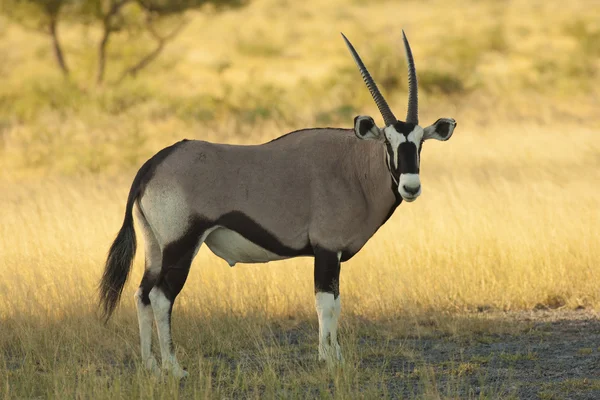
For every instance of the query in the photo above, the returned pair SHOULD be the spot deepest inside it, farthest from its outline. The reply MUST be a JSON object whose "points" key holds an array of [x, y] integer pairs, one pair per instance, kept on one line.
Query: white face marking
{"points": [[408, 182], [415, 137], [328, 311], [395, 139]]}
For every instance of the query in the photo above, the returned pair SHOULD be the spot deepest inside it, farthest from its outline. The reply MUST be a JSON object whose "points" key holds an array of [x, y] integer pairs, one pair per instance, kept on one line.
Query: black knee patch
{"points": [[146, 286], [327, 272]]}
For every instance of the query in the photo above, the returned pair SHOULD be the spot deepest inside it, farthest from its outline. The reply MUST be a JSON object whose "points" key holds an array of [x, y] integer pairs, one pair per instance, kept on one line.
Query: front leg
{"points": [[327, 299]]}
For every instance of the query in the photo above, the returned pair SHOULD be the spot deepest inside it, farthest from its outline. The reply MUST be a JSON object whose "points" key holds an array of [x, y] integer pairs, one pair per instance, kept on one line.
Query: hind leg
{"points": [[142, 299], [177, 259], [145, 317]]}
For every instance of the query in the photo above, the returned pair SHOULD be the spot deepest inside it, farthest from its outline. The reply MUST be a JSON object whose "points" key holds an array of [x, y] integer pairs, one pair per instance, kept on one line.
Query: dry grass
{"points": [[500, 225], [508, 219]]}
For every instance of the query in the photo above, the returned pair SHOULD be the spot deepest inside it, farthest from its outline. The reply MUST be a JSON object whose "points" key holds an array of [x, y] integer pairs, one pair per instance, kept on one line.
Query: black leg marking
{"points": [[172, 279], [327, 272], [174, 274], [177, 260], [146, 285]]}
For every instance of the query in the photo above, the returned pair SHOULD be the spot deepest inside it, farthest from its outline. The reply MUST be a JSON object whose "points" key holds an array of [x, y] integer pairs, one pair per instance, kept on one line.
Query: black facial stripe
{"points": [[404, 128], [395, 171], [407, 154]]}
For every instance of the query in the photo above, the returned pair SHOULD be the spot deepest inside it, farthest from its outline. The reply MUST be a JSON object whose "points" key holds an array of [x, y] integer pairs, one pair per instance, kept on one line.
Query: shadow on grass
{"points": [[547, 354]]}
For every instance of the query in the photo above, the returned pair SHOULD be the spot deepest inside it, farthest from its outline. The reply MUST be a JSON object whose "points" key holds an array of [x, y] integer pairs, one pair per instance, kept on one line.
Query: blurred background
{"points": [[508, 219], [100, 85]]}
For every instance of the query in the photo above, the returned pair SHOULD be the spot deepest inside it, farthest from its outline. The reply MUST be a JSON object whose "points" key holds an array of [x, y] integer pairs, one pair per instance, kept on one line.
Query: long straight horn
{"points": [[412, 115], [384, 109]]}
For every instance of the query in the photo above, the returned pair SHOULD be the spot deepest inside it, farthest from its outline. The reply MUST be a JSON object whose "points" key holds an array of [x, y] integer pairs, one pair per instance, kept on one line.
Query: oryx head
{"points": [[403, 140]]}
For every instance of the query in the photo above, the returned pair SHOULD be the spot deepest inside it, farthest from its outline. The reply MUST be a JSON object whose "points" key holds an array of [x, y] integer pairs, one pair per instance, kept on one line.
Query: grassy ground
{"points": [[437, 305], [506, 229]]}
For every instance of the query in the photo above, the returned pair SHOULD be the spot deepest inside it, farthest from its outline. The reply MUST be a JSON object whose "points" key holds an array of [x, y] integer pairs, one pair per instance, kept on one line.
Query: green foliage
{"points": [[133, 16], [168, 7], [34, 14], [343, 112], [586, 34], [269, 77], [25, 104], [584, 63]]}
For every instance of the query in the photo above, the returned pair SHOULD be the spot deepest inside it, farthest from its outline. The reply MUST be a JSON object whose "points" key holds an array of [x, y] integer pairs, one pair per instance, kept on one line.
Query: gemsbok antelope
{"points": [[320, 192]]}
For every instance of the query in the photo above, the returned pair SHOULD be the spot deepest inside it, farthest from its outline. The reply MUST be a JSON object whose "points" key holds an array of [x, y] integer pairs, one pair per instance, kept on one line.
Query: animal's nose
{"points": [[412, 190]]}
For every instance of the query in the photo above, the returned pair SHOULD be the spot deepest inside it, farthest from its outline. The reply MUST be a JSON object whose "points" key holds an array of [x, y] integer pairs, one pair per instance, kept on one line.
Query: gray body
{"points": [[321, 193], [338, 210]]}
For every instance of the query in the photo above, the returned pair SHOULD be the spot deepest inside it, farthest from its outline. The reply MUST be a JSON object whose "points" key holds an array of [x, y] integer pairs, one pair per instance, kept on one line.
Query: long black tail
{"points": [[119, 261], [121, 253]]}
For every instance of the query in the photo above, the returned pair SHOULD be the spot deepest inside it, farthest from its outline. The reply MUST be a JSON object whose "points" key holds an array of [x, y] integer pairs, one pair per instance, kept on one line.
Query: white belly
{"points": [[233, 248]]}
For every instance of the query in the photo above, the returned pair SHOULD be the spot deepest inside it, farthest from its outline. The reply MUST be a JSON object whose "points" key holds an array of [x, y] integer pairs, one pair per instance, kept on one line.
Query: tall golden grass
{"points": [[501, 225], [508, 218]]}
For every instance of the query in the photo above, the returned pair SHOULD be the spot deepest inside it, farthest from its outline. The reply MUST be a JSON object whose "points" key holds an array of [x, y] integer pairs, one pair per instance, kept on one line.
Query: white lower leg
{"points": [[145, 318], [162, 306], [337, 309], [328, 312]]}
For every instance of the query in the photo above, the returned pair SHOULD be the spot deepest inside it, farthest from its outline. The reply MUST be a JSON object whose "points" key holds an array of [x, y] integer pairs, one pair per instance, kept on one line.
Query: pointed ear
{"points": [[365, 128], [442, 129]]}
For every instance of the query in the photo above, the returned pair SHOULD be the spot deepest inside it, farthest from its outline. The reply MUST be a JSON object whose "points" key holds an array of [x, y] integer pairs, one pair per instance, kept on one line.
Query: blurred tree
{"points": [[111, 16], [41, 16]]}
